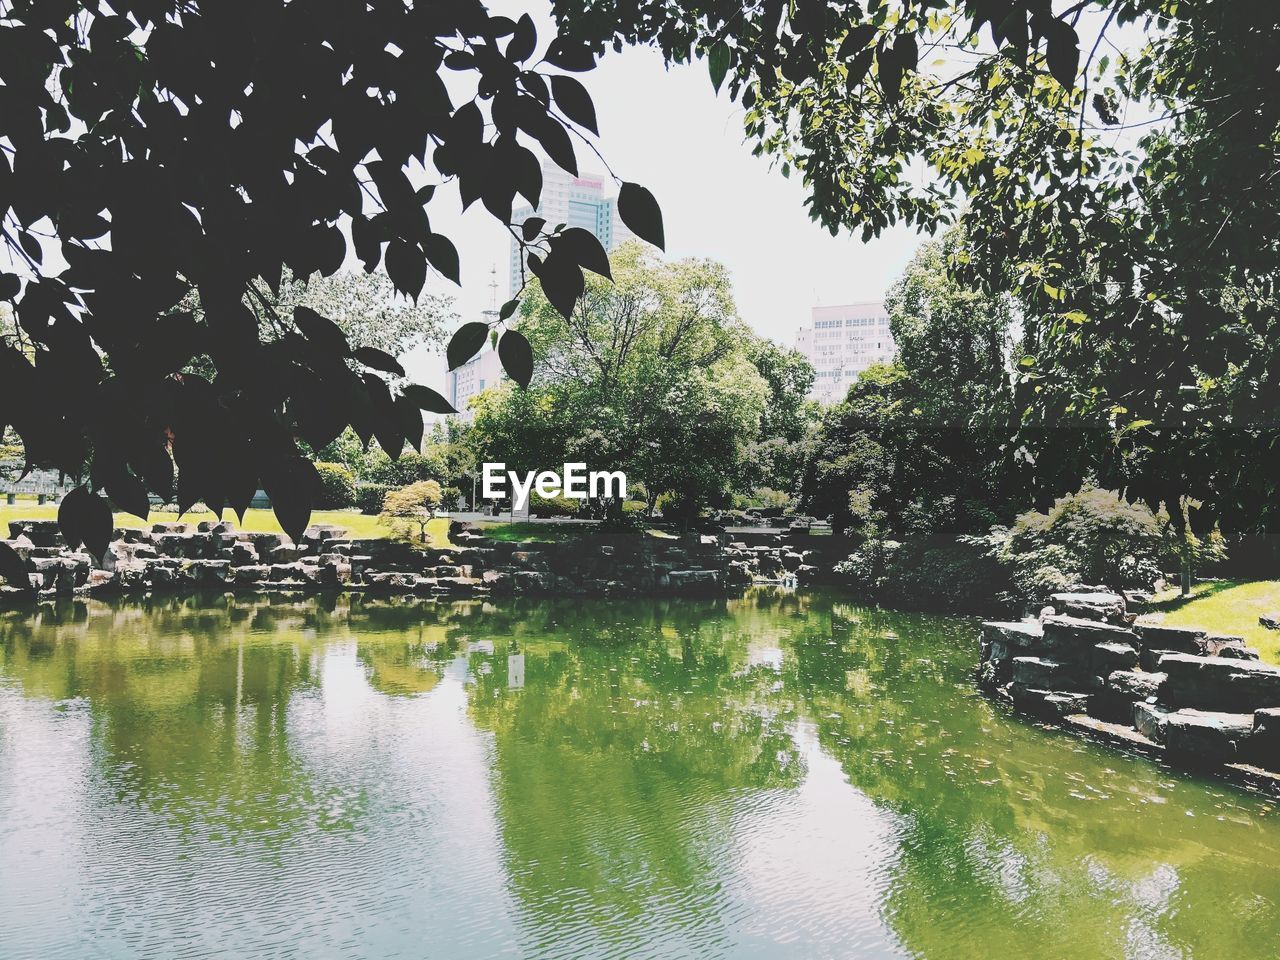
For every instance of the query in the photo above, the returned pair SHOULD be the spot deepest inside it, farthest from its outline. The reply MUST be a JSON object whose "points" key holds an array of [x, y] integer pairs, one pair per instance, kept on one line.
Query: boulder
{"points": [[1263, 744], [1048, 704], [1108, 657], [1149, 720], [1046, 674], [1074, 635], [1206, 736], [1136, 684], [1103, 606], [171, 528], [1000, 638], [1270, 620], [1219, 683], [1177, 639]]}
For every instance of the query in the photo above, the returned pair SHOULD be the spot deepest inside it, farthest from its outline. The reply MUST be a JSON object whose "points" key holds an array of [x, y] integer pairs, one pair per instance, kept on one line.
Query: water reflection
{"points": [[779, 776]]}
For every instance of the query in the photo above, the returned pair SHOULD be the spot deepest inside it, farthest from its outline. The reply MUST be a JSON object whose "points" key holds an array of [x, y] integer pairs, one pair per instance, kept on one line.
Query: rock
{"points": [[1263, 744], [1073, 634], [284, 553], [41, 533], [1106, 607], [1177, 639], [1149, 720], [1106, 658], [243, 554], [170, 528], [1022, 635], [1219, 683], [1048, 704], [1136, 684], [792, 561], [1270, 620], [1043, 673], [251, 574], [1206, 736], [1149, 659], [1217, 645]]}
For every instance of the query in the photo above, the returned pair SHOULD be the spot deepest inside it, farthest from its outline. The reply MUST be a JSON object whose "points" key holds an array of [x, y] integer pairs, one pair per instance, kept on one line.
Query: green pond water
{"points": [[782, 776]]}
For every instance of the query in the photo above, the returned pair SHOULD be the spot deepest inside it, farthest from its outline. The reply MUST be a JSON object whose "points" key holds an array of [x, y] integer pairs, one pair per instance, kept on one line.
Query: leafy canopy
{"points": [[150, 149]]}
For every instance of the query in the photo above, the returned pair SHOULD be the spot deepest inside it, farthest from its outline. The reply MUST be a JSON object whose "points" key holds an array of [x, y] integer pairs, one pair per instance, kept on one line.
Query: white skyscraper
{"points": [[843, 341], [576, 202]]}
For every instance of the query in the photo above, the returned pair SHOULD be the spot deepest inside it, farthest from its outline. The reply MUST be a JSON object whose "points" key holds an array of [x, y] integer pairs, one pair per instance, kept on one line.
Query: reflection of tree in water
{"points": [[617, 765], [1014, 840], [189, 700]]}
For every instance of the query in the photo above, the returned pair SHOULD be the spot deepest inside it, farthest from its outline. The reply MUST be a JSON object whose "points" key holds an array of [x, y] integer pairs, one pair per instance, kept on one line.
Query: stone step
{"points": [[1219, 683]]}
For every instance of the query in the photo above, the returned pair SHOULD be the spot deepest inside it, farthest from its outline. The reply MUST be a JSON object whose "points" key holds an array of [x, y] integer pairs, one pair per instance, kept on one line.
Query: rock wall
{"points": [[180, 556], [1198, 698]]}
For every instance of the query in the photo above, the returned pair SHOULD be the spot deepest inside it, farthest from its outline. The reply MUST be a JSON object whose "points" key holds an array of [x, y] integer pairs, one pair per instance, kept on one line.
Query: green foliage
{"points": [[1107, 163], [552, 506], [648, 376], [407, 510], [156, 150], [1094, 538], [371, 496], [337, 486], [917, 447]]}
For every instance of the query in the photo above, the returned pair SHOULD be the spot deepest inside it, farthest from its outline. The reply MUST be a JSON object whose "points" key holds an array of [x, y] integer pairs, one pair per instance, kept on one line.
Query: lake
{"points": [[786, 775]]}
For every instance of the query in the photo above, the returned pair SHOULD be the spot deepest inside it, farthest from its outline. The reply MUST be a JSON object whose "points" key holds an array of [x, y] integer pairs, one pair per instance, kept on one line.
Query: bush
{"points": [[1092, 537], [337, 487], [370, 496], [451, 498], [553, 506], [409, 468]]}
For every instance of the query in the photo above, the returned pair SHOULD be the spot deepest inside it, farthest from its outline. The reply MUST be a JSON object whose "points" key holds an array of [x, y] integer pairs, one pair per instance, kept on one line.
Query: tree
{"points": [[919, 447], [647, 375], [774, 459], [149, 148], [1123, 197], [414, 506]]}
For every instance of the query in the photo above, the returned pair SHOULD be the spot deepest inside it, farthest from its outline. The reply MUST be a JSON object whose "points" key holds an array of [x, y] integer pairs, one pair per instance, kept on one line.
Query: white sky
{"points": [[666, 129]]}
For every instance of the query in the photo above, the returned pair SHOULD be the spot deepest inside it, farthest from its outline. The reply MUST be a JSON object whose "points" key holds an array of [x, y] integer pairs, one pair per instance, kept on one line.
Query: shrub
{"points": [[409, 468], [452, 498], [552, 506], [337, 487], [409, 509], [1092, 537], [370, 497]]}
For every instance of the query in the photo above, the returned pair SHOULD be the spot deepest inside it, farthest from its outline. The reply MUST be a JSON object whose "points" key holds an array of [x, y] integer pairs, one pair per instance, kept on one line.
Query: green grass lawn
{"points": [[1226, 606], [258, 521]]}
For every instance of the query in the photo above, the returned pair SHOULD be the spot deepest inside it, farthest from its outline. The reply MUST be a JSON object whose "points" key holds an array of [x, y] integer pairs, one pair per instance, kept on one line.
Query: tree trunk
{"points": [[1186, 564]]}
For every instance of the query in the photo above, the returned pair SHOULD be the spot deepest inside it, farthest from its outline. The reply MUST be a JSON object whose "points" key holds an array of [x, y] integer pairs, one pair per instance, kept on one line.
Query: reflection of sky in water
{"points": [[758, 779]]}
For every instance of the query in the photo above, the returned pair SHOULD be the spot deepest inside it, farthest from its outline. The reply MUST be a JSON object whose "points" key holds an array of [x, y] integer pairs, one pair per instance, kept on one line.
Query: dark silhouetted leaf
{"points": [[410, 418], [516, 356], [13, 569], [640, 212], [1062, 51], [129, 494], [10, 285], [569, 55], [508, 308], [574, 100], [524, 41], [321, 331], [426, 399], [85, 518], [718, 63], [291, 483], [466, 343], [378, 360], [443, 256], [407, 267], [555, 140], [531, 228], [586, 249]]}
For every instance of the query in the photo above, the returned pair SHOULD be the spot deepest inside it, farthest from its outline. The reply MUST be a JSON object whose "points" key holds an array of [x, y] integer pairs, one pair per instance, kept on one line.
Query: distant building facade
{"points": [[576, 202], [842, 342], [481, 371]]}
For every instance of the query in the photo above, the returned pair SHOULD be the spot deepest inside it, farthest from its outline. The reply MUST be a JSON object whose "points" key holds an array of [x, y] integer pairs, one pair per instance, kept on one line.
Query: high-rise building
{"points": [[576, 202], [481, 371], [842, 342]]}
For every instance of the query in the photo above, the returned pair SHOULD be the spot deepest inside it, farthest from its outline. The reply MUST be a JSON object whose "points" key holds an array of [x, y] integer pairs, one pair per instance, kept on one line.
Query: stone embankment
{"points": [[1197, 698], [180, 556]]}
